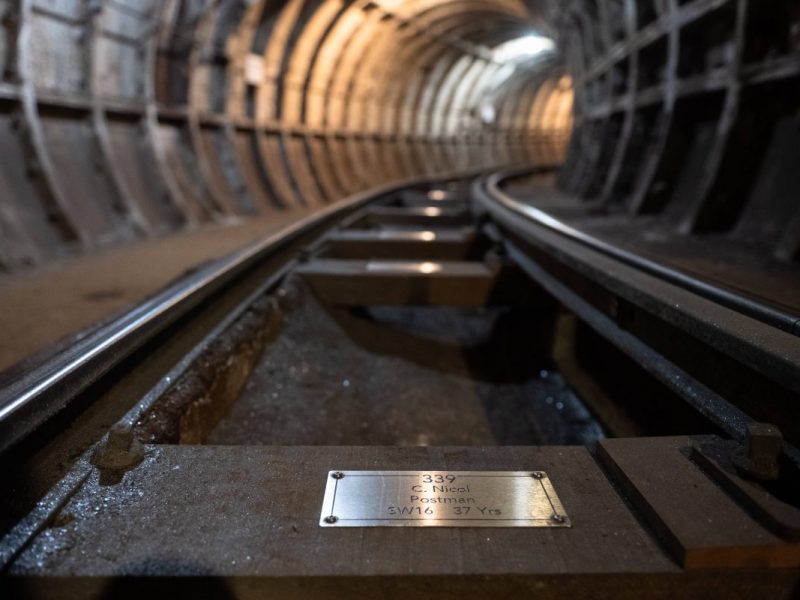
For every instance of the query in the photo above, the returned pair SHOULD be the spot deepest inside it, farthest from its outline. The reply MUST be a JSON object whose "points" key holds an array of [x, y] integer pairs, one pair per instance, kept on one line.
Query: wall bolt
{"points": [[537, 475], [557, 518], [337, 475], [331, 519]]}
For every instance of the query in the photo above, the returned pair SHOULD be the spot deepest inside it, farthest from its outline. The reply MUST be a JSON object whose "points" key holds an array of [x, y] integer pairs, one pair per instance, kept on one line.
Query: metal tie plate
{"points": [[441, 499]]}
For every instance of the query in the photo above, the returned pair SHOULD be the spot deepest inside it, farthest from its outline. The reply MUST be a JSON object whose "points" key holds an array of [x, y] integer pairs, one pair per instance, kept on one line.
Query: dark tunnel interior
{"points": [[129, 119], [243, 239], [674, 123]]}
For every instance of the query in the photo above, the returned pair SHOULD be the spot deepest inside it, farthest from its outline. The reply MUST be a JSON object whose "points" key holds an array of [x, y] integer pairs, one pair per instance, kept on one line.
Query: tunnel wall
{"points": [[125, 119], [686, 111]]}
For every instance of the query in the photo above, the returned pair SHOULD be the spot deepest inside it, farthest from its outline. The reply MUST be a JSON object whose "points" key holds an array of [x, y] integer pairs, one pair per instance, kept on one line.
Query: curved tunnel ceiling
{"points": [[123, 119]]}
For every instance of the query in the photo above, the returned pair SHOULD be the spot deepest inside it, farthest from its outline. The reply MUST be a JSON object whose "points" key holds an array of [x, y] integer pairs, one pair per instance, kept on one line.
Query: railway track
{"points": [[435, 325]]}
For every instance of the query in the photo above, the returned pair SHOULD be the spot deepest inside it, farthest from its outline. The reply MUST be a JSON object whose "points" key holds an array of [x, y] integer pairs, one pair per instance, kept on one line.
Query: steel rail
{"points": [[49, 387], [752, 308], [718, 410]]}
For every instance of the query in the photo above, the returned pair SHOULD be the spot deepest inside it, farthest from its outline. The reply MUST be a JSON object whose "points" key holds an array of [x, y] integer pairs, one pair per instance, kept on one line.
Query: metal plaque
{"points": [[441, 499]]}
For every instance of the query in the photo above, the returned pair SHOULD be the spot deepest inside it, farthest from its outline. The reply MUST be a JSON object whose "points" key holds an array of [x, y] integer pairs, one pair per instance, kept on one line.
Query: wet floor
{"points": [[408, 377]]}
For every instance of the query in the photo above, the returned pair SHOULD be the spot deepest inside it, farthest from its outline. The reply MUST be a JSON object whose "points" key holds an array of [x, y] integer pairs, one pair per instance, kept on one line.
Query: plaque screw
{"points": [[337, 475], [537, 475], [557, 518], [331, 519]]}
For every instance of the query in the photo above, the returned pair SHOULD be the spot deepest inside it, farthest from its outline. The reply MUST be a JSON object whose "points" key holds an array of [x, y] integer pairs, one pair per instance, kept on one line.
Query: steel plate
{"points": [[441, 499]]}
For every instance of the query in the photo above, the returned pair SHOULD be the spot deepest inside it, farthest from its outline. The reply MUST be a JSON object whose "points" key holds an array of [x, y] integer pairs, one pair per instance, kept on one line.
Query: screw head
{"points": [[337, 475], [537, 475], [557, 518], [331, 519], [120, 437]]}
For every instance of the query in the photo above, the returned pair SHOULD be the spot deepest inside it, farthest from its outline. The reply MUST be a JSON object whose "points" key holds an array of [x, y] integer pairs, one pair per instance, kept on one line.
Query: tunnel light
{"points": [[526, 47], [488, 113]]}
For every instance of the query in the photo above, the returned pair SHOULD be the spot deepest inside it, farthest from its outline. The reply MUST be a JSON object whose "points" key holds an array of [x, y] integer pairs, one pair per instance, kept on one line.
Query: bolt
{"points": [[331, 519], [556, 518], [763, 447], [120, 437], [538, 475], [763, 439], [337, 474], [120, 451]]}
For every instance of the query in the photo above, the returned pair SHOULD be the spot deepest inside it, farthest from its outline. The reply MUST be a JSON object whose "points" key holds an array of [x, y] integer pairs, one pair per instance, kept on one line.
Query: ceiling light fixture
{"points": [[523, 48]]}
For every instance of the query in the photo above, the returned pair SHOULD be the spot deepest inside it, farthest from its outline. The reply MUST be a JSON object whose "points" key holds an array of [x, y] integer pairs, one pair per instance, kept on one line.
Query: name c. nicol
{"points": [[441, 489]]}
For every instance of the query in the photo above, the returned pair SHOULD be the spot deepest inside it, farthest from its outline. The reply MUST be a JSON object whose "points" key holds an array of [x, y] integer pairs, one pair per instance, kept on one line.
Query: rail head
{"points": [[755, 335], [51, 385], [771, 315]]}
